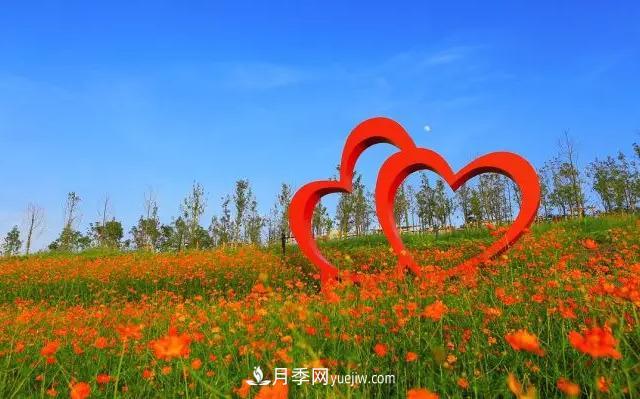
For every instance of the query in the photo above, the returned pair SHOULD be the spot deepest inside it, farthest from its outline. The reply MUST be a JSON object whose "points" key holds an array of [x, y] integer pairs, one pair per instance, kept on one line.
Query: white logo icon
{"points": [[258, 376]]}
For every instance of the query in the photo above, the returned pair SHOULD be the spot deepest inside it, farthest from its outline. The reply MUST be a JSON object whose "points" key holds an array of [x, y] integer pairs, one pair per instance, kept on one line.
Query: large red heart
{"points": [[366, 134], [396, 169]]}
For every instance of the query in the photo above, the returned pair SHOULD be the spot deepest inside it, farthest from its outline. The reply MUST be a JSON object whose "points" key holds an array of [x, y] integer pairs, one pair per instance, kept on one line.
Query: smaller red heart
{"points": [[370, 132], [396, 169]]}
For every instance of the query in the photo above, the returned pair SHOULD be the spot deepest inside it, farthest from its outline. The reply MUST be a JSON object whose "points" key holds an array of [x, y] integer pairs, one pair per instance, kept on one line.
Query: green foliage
{"points": [[222, 228], [192, 208], [108, 234], [146, 234], [12, 243], [321, 221], [70, 240], [617, 182]]}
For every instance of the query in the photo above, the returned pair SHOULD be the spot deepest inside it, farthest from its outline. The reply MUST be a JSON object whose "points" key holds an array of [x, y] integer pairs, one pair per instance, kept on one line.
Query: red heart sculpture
{"points": [[370, 132], [396, 169]]}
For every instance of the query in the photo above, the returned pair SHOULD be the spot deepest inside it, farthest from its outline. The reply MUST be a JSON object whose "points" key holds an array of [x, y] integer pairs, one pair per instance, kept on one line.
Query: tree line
{"points": [[426, 206]]}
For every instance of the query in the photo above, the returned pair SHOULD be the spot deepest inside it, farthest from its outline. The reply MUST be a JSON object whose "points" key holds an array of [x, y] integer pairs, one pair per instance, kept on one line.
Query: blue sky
{"points": [[119, 97]]}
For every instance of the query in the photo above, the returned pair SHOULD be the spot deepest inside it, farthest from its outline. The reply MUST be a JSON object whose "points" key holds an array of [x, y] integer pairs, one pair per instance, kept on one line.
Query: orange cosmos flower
{"points": [[524, 340], [243, 391], [277, 391], [568, 387], [411, 357], [421, 393], [50, 348], [589, 244], [103, 378], [196, 364], [380, 349], [148, 374], [463, 383], [596, 342], [602, 384], [101, 343], [516, 388], [171, 346], [128, 332], [80, 390], [435, 311]]}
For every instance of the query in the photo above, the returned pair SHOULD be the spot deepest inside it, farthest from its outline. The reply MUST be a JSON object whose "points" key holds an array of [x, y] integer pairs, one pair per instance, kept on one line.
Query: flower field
{"points": [[556, 316]]}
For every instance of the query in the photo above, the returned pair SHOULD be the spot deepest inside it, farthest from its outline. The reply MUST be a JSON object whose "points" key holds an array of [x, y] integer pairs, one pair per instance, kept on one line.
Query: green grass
{"points": [[247, 307]]}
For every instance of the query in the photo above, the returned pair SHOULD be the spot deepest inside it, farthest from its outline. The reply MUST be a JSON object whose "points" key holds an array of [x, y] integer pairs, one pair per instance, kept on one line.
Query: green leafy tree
{"points": [[344, 214], [173, 236], [321, 221], [241, 200], [107, 234], [166, 239], [222, 228], [361, 207], [146, 233], [425, 203], [70, 239], [463, 194], [401, 206], [192, 209], [616, 181], [443, 207], [12, 243], [476, 214], [253, 224], [284, 201], [492, 189]]}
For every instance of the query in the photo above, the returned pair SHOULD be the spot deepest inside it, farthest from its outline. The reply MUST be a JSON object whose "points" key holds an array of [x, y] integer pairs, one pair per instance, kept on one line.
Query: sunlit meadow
{"points": [[557, 315]]}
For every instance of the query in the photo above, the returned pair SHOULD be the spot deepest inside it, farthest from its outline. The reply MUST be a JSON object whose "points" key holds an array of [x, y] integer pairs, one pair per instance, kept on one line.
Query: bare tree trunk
{"points": [[34, 219], [568, 146]]}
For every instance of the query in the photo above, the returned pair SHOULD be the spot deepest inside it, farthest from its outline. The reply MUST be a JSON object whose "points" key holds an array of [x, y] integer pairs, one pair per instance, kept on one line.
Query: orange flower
{"points": [[277, 391], [463, 383], [80, 390], [50, 348], [243, 391], [421, 393], [516, 388], [596, 342], [524, 340], [568, 387], [103, 378], [128, 332], [589, 244], [411, 357], [380, 349], [52, 392], [147, 374], [435, 311], [171, 346], [602, 384], [196, 364], [101, 343]]}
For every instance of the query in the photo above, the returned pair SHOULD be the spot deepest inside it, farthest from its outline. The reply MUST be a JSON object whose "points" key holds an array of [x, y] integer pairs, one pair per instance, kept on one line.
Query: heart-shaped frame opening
{"points": [[400, 165]]}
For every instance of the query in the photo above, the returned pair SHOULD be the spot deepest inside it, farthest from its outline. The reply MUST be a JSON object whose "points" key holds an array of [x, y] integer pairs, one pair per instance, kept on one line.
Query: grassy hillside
{"points": [[196, 324]]}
